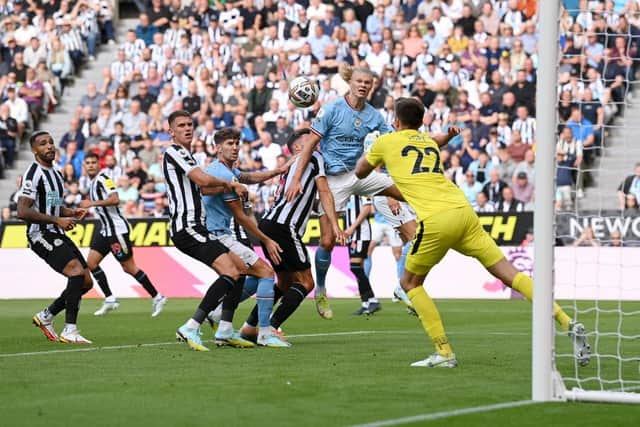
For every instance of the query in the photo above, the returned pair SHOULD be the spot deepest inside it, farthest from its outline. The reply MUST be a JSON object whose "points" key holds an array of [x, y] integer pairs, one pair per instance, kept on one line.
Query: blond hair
{"points": [[346, 71]]}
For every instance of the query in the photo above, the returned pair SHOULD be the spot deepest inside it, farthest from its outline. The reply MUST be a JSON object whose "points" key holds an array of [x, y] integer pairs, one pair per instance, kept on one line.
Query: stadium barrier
{"points": [[177, 275]]}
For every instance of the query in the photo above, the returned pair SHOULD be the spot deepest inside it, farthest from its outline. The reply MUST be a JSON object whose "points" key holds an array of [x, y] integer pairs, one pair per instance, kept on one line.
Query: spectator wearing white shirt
{"points": [[18, 109], [293, 45], [34, 53], [271, 116], [133, 46], [482, 204], [121, 69], [316, 10], [269, 151], [525, 125], [25, 31], [377, 58], [292, 10], [433, 76], [442, 24]]}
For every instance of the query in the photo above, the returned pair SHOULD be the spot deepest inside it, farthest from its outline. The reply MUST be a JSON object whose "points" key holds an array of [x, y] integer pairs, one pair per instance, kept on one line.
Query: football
{"points": [[303, 92]]}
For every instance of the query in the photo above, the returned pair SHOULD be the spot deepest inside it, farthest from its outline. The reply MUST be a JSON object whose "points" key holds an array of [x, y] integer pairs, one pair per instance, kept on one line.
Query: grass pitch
{"points": [[351, 370]]}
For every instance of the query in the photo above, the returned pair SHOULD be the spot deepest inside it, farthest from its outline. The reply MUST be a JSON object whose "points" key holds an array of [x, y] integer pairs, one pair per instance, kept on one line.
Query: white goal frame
{"points": [[547, 383]]}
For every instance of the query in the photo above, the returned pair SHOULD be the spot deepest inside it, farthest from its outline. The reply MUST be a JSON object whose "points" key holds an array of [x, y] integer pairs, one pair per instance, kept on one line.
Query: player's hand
{"points": [[341, 238], [85, 204], [274, 251], [394, 205], [294, 189], [240, 190], [286, 166], [66, 223], [454, 131], [348, 232], [80, 213]]}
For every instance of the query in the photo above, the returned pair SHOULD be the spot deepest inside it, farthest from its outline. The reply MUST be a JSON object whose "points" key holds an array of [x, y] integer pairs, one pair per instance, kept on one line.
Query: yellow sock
{"points": [[430, 319], [524, 284]]}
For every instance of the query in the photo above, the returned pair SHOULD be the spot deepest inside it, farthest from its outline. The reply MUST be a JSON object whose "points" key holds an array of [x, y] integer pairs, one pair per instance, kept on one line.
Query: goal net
{"points": [[596, 223]]}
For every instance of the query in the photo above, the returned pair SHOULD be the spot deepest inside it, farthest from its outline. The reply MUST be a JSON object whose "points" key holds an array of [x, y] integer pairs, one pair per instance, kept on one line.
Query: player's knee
{"points": [[130, 268], [74, 268], [327, 241]]}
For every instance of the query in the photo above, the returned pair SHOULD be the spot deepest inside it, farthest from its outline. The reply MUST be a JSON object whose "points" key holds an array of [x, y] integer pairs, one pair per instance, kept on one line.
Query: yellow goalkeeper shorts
{"points": [[457, 229]]}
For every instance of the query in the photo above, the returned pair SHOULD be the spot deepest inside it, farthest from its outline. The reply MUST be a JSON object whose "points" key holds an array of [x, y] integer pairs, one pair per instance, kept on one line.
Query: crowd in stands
{"points": [[471, 62], [42, 45]]}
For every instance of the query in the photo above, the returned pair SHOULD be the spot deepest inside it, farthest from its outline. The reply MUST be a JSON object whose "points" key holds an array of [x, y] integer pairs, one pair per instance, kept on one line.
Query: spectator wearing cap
{"points": [[522, 188], [509, 204]]}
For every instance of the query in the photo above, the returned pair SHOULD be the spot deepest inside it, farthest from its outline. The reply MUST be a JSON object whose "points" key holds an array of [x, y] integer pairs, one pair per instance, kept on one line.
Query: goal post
{"points": [[614, 374]]}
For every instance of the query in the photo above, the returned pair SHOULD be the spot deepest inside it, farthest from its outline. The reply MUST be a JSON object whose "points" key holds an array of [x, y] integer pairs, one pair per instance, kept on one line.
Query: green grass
{"points": [[328, 380]]}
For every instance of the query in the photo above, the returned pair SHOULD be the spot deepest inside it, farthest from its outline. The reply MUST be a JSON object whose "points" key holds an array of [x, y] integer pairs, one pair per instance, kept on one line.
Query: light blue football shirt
{"points": [[343, 130], [218, 213]]}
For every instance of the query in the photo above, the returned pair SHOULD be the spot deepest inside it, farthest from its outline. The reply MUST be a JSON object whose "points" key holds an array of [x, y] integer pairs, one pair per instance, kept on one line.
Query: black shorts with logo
{"points": [[118, 244], [294, 253], [199, 244], [55, 249], [359, 249]]}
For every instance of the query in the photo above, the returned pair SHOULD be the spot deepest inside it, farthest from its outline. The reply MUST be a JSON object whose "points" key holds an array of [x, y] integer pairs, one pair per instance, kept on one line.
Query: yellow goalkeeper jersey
{"points": [[412, 160]]}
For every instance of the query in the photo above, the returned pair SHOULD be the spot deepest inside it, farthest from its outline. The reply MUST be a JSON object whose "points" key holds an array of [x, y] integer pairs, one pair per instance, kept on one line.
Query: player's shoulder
{"points": [[219, 170]]}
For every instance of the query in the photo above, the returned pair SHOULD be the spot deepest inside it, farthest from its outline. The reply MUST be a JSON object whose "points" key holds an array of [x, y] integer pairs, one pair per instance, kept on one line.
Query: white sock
{"points": [[158, 297], [111, 298], [192, 324], [264, 330], [374, 300], [225, 326], [246, 325], [70, 327], [365, 304]]}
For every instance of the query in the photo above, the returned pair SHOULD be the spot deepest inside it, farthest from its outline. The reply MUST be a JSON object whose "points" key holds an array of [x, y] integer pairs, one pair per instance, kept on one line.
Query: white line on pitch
{"points": [[159, 344], [446, 414]]}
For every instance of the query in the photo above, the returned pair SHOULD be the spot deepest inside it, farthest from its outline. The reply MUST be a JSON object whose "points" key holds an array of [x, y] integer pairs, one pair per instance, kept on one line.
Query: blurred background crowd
{"points": [[472, 63]]}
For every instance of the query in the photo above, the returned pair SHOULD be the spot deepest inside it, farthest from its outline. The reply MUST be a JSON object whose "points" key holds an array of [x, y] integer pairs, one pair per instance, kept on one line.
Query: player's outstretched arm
{"points": [[328, 204], [28, 214], [261, 176], [443, 139], [363, 167], [252, 228], [310, 143], [203, 179]]}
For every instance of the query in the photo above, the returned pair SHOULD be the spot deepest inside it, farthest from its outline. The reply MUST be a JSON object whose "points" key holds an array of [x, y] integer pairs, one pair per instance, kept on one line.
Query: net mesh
{"points": [[597, 258]]}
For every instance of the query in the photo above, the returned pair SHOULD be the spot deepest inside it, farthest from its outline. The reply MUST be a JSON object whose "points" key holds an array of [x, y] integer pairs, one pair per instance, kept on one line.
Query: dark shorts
{"points": [[359, 249], [56, 250], [199, 244], [119, 245], [294, 253]]}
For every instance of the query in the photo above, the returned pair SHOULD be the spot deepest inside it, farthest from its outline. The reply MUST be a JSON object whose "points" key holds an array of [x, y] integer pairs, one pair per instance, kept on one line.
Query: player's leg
{"points": [[429, 246], [322, 264], [478, 244], [100, 246], [130, 267], [197, 244], [369, 303], [301, 283], [77, 275]]}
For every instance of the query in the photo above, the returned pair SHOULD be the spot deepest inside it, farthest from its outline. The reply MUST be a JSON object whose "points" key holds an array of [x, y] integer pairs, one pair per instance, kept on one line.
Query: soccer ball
{"points": [[303, 92]]}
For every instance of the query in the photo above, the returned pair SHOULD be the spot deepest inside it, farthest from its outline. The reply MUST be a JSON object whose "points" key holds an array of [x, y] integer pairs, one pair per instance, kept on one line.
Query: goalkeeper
{"points": [[445, 221]]}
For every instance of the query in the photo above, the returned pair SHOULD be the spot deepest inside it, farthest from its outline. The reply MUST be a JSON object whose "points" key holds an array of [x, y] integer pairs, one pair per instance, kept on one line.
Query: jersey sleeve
{"points": [[318, 162], [30, 181], [181, 159], [107, 184], [375, 156], [321, 124], [236, 173], [224, 174]]}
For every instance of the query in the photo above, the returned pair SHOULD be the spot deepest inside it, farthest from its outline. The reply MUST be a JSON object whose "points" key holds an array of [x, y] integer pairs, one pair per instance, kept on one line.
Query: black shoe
{"points": [[373, 307], [360, 311]]}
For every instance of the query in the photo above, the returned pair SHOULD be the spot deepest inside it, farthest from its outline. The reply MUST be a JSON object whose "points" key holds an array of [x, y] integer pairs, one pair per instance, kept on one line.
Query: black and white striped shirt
{"points": [[45, 187], [354, 208], [112, 223], [295, 214], [185, 200], [527, 129]]}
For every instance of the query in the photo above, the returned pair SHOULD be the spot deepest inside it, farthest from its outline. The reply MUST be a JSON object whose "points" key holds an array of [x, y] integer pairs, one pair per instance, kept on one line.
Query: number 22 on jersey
{"points": [[421, 153]]}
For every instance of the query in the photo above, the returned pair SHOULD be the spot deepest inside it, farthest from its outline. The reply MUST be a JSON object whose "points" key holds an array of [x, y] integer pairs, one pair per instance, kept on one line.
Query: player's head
{"points": [[42, 146], [181, 127], [294, 143], [228, 142], [360, 80], [409, 113], [91, 164]]}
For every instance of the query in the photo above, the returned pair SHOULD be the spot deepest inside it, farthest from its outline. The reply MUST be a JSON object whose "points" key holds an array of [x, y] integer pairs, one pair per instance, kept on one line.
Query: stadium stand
{"points": [[472, 63]]}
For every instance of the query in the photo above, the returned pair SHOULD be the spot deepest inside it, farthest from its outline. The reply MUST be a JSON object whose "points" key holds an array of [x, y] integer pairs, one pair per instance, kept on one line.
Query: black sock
{"points": [[231, 300], [290, 302], [59, 303], [364, 286], [101, 278], [253, 316], [213, 297], [142, 278], [74, 291]]}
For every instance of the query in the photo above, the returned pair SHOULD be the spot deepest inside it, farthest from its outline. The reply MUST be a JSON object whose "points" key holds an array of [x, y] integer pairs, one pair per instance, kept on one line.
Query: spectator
{"points": [[509, 203], [32, 91], [137, 173], [629, 186], [587, 238], [73, 134], [470, 187], [493, 188], [482, 204], [269, 151], [145, 98], [124, 155], [73, 156], [517, 148], [259, 97], [525, 125], [73, 196], [282, 132], [160, 208], [126, 192], [133, 120], [522, 188], [145, 30], [34, 53], [8, 136], [631, 206]]}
